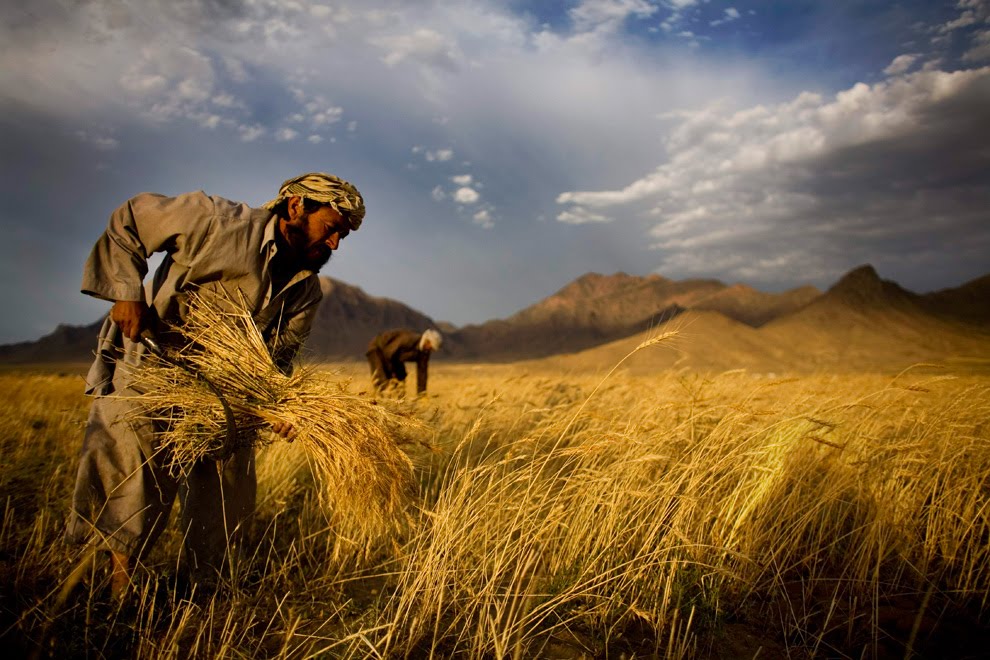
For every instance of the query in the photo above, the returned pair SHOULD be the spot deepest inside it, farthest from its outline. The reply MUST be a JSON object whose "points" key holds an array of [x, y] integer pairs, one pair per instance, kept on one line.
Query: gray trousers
{"points": [[123, 494]]}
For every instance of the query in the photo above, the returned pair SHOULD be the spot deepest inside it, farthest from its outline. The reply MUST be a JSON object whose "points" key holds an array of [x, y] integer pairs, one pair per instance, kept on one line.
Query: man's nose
{"points": [[333, 240]]}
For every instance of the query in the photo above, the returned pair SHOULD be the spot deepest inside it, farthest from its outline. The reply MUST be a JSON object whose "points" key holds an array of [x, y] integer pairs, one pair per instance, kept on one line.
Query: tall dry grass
{"points": [[826, 516], [671, 503]]}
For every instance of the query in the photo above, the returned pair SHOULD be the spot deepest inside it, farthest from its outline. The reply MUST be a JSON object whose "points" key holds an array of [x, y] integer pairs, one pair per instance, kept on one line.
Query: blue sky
{"points": [[506, 148]]}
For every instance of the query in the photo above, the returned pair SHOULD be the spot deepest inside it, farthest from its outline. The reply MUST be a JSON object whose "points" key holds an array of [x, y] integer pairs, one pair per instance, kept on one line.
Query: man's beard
{"points": [[313, 258], [314, 261]]}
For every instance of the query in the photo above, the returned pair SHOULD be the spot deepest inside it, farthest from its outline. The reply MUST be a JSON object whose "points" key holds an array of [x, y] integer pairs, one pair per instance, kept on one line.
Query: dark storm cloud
{"points": [[809, 188], [462, 122]]}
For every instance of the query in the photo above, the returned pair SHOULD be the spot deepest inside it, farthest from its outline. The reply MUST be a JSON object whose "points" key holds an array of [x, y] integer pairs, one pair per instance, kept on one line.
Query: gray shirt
{"points": [[210, 244]]}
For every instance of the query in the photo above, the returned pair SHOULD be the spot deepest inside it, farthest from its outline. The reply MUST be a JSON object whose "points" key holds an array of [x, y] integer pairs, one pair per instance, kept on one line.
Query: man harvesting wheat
{"points": [[268, 258], [389, 351]]}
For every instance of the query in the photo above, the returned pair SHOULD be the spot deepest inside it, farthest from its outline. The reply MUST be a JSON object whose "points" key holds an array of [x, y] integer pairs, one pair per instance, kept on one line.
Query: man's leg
{"points": [[122, 498], [397, 382], [120, 573], [218, 499]]}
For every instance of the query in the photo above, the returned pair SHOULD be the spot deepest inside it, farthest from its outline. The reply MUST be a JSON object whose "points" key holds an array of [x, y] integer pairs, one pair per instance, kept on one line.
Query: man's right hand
{"points": [[131, 316]]}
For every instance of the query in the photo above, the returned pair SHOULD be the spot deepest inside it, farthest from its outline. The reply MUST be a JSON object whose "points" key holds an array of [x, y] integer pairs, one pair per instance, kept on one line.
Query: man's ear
{"points": [[294, 207]]}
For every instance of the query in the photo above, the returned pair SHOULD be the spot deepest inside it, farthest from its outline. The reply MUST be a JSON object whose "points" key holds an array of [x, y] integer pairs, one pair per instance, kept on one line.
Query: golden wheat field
{"points": [[560, 515]]}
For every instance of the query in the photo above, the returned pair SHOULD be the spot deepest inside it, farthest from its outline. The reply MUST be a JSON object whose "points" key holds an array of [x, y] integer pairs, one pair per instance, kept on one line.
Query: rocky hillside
{"points": [[859, 320], [348, 318], [861, 323], [595, 309], [67, 343], [754, 308], [346, 321], [969, 303]]}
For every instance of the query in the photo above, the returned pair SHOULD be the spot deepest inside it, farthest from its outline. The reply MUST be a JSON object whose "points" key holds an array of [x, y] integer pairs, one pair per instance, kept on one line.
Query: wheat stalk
{"points": [[352, 441]]}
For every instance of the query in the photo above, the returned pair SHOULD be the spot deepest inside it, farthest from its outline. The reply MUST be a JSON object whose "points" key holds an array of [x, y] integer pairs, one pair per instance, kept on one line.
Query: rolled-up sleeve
{"points": [[145, 224]]}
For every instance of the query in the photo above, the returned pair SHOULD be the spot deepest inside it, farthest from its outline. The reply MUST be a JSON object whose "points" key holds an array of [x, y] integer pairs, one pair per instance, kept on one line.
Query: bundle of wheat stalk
{"points": [[352, 441]]}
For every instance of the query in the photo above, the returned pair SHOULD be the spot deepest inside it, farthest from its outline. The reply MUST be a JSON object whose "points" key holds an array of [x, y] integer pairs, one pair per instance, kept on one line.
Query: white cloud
{"points": [[484, 219], [286, 134], [320, 11], [176, 83], [441, 155], [778, 176], [971, 13], [235, 69], [730, 14], [462, 179], [250, 133], [580, 216], [708, 145], [314, 139], [424, 46], [901, 64], [143, 83], [465, 195], [101, 142], [679, 10], [438, 194], [980, 50], [322, 116], [966, 19], [224, 100], [179, 71], [608, 15]]}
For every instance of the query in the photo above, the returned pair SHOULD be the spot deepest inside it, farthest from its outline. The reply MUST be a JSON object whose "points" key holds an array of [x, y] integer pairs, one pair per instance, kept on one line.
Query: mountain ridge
{"points": [[860, 323], [860, 312]]}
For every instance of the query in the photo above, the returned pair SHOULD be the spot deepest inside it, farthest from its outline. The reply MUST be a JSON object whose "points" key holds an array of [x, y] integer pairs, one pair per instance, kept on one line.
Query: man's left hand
{"points": [[285, 430]]}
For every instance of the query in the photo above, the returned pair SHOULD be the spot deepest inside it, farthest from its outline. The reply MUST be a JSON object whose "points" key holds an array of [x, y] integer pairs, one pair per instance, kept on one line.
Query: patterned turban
{"points": [[326, 189]]}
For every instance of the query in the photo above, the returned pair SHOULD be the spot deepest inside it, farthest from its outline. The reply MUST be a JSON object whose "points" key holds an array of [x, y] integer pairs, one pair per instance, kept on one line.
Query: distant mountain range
{"points": [[595, 309], [860, 320], [861, 323]]}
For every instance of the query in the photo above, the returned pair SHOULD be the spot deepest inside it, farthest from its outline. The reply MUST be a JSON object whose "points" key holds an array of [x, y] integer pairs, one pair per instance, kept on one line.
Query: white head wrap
{"points": [[431, 336]]}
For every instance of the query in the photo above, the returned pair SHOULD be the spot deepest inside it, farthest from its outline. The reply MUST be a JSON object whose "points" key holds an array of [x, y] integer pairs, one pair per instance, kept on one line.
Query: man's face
{"points": [[313, 235]]}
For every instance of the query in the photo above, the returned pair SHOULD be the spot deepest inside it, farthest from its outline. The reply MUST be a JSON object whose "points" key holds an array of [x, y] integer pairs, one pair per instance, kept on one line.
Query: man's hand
{"points": [[285, 430], [131, 316]]}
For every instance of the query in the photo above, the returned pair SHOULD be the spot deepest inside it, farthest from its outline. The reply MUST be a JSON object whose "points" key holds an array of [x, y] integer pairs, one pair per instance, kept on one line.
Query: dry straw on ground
{"points": [[352, 441]]}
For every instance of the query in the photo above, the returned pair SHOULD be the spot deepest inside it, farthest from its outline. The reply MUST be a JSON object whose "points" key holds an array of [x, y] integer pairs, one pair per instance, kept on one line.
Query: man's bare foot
{"points": [[120, 575]]}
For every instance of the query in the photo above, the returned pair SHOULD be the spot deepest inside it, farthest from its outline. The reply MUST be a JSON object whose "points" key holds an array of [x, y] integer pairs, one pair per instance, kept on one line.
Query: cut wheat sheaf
{"points": [[352, 441]]}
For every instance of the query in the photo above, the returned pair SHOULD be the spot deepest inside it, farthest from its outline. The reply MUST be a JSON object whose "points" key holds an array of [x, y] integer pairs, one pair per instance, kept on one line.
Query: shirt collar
{"points": [[271, 246], [269, 236]]}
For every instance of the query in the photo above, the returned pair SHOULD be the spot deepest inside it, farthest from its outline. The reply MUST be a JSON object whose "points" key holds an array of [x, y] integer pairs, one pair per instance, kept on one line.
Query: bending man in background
{"points": [[268, 257], [388, 352]]}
